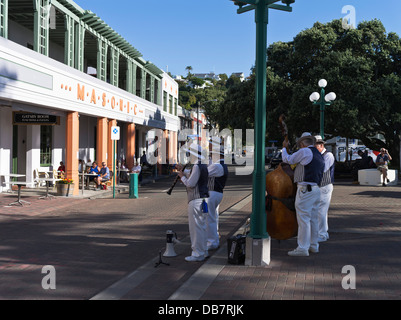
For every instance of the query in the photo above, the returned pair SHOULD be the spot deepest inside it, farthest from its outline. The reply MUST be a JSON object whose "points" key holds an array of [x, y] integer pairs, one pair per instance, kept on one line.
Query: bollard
{"points": [[133, 186]]}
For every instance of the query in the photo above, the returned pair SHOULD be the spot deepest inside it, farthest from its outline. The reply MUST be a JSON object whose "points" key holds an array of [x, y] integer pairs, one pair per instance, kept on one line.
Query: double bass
{"points": [[280, 198]]}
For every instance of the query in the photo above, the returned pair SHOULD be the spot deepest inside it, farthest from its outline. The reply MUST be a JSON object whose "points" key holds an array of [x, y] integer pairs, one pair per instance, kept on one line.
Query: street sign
{"points": [[115, 133]]}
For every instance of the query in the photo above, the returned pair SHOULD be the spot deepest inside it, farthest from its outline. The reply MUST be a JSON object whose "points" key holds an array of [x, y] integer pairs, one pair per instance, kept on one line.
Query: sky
{"points": [[210, 36]]}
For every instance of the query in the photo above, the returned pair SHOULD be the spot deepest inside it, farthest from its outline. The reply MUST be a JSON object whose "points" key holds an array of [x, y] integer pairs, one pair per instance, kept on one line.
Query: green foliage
{"points": [[363, 67]]}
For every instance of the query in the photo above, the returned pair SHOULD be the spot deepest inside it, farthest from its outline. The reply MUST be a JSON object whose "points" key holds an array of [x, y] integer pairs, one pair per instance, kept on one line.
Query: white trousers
{"points": [[197, 227], [307, 205], [212, 224], [324, 204]]}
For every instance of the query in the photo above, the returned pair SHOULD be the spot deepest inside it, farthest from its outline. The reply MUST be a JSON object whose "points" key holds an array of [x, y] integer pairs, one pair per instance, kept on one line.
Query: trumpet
{"points": [[175, 182]]}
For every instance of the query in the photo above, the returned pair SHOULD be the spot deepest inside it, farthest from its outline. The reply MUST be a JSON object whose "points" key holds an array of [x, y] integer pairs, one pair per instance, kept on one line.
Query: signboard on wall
{"points": [[26, 118]]}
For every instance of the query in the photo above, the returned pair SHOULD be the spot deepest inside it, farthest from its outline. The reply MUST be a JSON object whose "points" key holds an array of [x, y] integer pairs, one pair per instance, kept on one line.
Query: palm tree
{"points": [[189, 69]]}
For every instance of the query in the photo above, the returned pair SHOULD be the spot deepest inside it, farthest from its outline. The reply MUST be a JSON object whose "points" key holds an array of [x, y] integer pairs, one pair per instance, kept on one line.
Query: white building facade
{"points": [[66, 78]]}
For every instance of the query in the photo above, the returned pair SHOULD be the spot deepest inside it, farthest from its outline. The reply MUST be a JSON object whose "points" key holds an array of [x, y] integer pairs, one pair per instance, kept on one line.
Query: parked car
{"points": [[276, 160], [269, 153]]}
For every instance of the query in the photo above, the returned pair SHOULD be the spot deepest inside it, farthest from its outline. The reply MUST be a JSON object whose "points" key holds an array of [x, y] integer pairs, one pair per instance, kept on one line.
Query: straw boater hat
{"points": [[319, 139], [306, 136]]}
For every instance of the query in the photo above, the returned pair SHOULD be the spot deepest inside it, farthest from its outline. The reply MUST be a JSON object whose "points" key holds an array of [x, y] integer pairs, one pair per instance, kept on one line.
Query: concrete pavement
{"points": [[107, 249]]}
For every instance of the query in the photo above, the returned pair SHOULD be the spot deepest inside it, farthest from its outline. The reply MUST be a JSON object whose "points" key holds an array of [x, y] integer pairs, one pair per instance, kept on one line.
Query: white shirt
{"points": [[328, 160], [303, 156], [192, 181], [136, 169]]}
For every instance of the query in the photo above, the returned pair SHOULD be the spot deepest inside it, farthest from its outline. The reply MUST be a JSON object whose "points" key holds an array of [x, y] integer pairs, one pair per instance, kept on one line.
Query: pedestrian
{"points": [[382, 161], [308, 175], [137, 169], [218, 174], [144, 159], [326, 189], [196, 182]]}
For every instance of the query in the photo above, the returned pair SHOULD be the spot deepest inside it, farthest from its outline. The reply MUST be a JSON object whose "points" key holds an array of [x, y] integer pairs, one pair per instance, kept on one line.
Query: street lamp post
{"points": [[258, 241], [323, 101], [197, 116]]}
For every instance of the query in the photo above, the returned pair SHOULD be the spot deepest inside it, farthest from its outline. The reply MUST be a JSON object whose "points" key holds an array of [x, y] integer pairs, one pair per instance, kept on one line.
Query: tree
{"points": [[189, 69], [363, 67]]}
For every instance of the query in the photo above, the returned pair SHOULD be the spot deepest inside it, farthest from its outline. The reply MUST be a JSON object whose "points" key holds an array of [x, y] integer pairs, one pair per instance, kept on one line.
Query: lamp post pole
{"points": [[258, 241], [197, 120], [322, 100], [197, 116], [322, 107], [258, 218]]}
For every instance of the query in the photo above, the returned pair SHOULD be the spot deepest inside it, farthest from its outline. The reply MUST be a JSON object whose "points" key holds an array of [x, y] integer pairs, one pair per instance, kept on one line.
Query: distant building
{"points": [[205, 76], [239, 75]]}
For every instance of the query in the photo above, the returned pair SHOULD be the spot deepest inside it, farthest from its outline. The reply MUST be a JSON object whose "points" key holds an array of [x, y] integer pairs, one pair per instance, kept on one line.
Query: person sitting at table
{"points": [[61, 170], [104, 175], [137, 169], [94, 169], [123, 172], [88, 164], [80, 166]]}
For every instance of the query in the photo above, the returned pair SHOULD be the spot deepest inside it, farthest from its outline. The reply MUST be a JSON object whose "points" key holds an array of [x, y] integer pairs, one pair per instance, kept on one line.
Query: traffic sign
{"points": [[115, 133]]}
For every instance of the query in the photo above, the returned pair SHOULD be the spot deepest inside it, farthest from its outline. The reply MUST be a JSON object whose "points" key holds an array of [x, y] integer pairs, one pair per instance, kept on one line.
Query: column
{"points": [[102, 60], [143, 84], [41, 26], [173, 145], [79, 46], [114, 67], [158, 94], [131, 146], [6, 143], [101, 140], [69, 47], [152, 89], [4, 19], [130, 76], [133, 85], [72, 149], [166, 136], [32, 152]]}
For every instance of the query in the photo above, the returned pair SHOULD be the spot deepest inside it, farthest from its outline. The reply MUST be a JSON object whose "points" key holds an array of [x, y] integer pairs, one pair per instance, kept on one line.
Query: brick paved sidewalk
{"points": [[365, 232], [94, 243], [94, 250]]}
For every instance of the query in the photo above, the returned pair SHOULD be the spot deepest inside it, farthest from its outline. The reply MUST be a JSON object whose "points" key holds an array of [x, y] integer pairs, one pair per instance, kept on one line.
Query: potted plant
{"points": [[65, 187]]}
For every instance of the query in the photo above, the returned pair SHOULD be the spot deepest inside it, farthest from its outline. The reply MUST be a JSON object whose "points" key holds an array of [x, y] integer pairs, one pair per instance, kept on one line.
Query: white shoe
{"points": [[194, 259], [213, 247], [298, 253], [313, 250]]}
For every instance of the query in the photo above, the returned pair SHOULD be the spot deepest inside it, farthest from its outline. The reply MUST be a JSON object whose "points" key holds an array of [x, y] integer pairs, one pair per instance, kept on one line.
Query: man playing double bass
{"points": [[308, 175]]}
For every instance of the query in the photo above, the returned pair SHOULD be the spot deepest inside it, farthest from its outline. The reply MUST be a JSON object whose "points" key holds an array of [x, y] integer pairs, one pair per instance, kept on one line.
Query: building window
{"points": [[175, 106], [165, 101], [46, 143], [171, 104]]}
